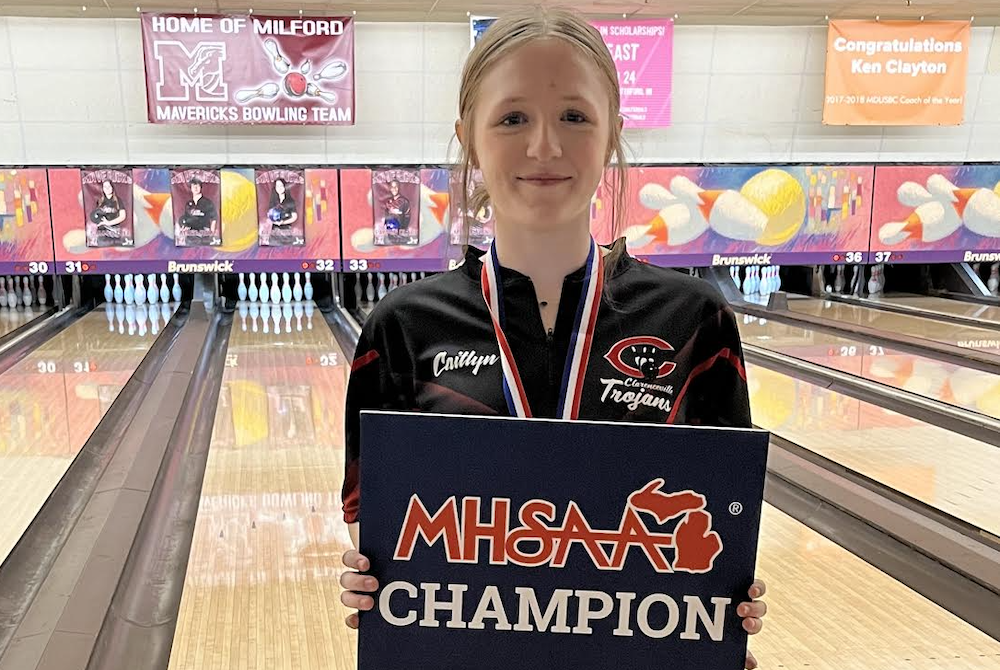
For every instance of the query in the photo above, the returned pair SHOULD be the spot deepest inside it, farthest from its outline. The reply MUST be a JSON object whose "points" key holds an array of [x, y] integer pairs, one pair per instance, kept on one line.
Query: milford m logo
{"points": [[184, 71]]}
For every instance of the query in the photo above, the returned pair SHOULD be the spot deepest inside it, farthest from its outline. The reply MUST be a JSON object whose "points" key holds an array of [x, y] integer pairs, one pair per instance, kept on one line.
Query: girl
{"points": [[539, 117], [109, 210]]}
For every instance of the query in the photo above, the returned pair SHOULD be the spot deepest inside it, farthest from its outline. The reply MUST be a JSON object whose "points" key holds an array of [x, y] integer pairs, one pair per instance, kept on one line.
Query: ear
{"points": [[460, 131]]}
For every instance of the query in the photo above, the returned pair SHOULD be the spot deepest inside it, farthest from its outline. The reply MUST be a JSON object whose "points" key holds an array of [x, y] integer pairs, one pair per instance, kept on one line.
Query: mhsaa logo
{"points": [[544, 536], [642, 357]]}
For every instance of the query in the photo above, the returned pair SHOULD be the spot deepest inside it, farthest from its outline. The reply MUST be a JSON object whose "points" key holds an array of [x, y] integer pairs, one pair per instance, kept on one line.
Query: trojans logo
{"points": [[643, 357]]}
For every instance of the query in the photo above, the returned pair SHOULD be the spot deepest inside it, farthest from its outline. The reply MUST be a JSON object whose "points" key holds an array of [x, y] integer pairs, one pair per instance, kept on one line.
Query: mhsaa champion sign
{"points": [[503, 543]]}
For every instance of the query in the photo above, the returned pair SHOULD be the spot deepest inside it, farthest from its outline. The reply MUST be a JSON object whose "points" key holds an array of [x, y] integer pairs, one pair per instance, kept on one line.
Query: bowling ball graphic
{"points": [[392, 223], [780, 197], [239, 212], [295, 84], [274, 214]]}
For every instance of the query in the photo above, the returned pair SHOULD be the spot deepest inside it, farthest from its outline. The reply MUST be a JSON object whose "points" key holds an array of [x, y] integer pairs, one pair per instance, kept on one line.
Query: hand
{"points": [[752, 612], [356, 585]]}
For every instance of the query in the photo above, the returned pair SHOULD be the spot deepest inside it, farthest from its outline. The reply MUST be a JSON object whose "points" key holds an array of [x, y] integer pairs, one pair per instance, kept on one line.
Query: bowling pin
{"points": [[993, 283], [154, 321], [165, 312], [254, 315], [297, 289], [838, 283], [734, 273], [286, 288], [308, 290], [777, 278], [310, 308], [413, 276], [265, 292], [382, 291], [142, 317], [241, 292], [252, 292], [164, 291], [393, 282], [120, 317], [109, 293], [177, 288], [140, 291], [26, 297], [130, 317], [3, 292], [152, 295], [357, 288], [873, 282], [41, 294], [281, 64], [265, 313], [276, 315], [12, 297], [268, 91], [119, 294], [275, 289], [244, 311], [286, 312], [370, 291], [109, 312], [129, 291], [402, 279], [298, 316]]}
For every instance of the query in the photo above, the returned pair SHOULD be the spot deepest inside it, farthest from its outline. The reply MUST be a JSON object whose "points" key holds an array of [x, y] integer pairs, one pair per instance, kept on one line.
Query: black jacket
{"points": [[666, 350]]}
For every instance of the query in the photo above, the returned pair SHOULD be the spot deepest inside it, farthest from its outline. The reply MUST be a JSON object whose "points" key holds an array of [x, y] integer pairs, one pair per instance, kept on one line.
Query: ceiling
{"points": [[731, 12]]}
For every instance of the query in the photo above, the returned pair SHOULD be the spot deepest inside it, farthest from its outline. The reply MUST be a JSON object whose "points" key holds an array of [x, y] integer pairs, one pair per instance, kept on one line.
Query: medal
{"points": [[581, 338]]}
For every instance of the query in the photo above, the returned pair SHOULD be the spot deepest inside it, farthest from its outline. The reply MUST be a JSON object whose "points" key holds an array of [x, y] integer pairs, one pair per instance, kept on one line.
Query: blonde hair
{"points": [[514, 30]]}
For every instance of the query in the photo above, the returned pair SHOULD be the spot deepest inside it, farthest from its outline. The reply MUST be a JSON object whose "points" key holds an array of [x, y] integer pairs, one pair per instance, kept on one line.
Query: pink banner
{"points": [[25, 230], [239, 69], [155, 230], [643, 52]]}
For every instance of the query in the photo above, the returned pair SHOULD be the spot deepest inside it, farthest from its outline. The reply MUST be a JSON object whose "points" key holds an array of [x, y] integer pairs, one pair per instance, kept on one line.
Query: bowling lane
{"points": [[950, 472], [963, 387], [946, 306], [12, 319], [967, 337], [261, 589], [50, 403], [830, 610]]}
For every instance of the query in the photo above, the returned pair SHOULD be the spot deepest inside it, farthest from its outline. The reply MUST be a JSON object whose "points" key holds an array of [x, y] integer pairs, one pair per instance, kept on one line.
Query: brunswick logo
{"points": [[642, 357], [544, 536]]}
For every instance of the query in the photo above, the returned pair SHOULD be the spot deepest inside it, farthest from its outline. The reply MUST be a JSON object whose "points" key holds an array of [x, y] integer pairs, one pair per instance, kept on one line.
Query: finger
{"points": [[354, 559], [756, 609], [752, 626], [358, 601], [353, 581], [751, 663], [758, 589], [352, 620]]}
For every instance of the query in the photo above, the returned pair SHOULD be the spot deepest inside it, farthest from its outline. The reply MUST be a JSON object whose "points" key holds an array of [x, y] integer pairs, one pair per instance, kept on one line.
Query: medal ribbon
{"points": [[581, 338]]}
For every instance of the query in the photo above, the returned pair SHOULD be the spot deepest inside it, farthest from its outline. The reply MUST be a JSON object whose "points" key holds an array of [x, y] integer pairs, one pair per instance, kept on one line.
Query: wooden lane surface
{"points": [[50, 403], [951, 472], [946, 306], [952, 384], [262, 586], [12, 319], [967, 337]]}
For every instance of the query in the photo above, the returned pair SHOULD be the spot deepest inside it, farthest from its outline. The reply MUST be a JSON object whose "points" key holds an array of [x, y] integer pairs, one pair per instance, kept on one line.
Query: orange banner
{"points": [[896, 73]]}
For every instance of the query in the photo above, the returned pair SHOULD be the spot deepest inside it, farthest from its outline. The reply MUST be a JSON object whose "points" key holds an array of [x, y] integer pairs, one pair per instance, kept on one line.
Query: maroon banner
{"points": [[238, 69], [196, 195], [107, 201], [280, 206]]}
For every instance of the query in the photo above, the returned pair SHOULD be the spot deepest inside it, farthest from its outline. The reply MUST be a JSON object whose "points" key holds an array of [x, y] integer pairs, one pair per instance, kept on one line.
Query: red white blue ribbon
{"points": [[581, 338]]}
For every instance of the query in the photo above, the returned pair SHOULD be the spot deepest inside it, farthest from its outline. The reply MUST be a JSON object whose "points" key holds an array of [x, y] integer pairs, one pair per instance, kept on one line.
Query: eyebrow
{"points": [[521, 98]]}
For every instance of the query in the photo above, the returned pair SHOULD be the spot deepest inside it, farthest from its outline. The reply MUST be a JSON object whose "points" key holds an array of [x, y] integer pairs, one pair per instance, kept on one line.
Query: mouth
{"points": [[544, 179]]}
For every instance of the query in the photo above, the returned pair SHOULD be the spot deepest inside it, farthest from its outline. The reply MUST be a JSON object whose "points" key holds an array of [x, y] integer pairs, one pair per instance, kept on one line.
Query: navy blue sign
{"points": [[507, 543]]}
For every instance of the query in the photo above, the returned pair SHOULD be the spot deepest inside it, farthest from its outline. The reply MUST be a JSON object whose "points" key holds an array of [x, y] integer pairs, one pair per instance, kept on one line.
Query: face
{"points": [[279, 187], [109, 190], [196, 189], [541, 135], [394, 188]]}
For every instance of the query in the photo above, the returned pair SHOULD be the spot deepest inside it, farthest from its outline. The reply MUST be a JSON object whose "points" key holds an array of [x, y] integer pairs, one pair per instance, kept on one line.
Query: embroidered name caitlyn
{"points": [[463, 359]]}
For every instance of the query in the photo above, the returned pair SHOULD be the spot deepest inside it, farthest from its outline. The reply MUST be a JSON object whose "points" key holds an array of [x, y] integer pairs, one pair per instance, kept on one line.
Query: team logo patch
{"points": [[643, 357]]}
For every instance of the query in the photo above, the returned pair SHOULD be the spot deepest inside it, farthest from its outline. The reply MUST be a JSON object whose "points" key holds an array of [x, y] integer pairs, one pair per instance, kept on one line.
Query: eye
{"points": [[512, 119], [574, 116]]}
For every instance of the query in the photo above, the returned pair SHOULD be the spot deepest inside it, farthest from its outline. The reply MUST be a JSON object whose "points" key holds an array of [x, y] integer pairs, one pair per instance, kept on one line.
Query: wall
{"points": [[72, 92]]}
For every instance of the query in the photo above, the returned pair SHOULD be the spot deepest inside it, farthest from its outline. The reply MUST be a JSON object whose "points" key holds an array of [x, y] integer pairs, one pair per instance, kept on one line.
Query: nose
{"points": [[544, 143]]}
